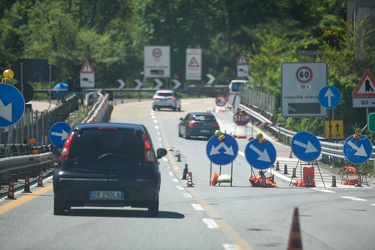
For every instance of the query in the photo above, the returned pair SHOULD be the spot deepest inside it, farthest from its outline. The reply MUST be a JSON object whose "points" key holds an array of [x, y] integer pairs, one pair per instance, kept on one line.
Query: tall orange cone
{"points": [[295, 242]]}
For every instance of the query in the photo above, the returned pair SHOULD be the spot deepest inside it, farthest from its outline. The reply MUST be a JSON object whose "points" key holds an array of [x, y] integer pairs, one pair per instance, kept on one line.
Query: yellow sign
{"points": [[337, 129]]}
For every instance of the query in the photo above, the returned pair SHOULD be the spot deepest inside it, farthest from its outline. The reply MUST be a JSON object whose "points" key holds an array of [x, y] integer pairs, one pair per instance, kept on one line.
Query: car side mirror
{"points": [[160, 152]]}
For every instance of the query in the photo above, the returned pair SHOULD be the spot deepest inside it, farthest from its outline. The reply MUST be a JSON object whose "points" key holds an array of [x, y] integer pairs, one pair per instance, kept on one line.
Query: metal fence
{"points": [[32, 130]]}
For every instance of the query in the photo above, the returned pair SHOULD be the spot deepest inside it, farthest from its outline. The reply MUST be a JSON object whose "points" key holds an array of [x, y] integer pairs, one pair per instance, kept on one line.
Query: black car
{"points": [[108, 164], [198, 124]]}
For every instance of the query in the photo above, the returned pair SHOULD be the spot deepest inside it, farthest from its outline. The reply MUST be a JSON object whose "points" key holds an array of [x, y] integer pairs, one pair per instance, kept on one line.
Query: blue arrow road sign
{"points": [[260, 155], [222, 152], [306, 146], [329, 96], [12, 105], [357, 151], [58, 133]]}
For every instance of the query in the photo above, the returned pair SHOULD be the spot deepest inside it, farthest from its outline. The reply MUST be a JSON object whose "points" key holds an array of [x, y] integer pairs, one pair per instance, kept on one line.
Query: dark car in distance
{"points": [[198, 124], [108, 164]]}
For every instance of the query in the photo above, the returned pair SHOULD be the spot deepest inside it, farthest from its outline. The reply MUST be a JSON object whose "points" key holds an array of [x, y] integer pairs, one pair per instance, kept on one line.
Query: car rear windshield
{"points": [[207, 118], [123, 146], [165, 94]]}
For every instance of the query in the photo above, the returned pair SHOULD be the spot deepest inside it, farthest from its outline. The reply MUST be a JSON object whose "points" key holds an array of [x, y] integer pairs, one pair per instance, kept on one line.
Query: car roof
{"points": [[165, 91], [200, 113], [109, 125]]}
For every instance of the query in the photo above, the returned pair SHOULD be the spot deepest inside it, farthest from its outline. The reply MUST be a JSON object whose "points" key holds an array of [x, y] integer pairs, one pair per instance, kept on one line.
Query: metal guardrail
{"points": [[20, 156], [330, 151]]}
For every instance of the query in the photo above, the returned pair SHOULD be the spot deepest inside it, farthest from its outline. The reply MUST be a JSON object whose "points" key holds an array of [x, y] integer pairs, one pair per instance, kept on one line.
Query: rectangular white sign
{"points": [[363, 102], [193, 64], [157, 61], [300, 86], [242, 70]]}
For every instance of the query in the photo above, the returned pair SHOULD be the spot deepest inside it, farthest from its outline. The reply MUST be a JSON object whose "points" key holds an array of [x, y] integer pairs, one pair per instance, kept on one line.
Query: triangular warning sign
{"points": [[242, 60], [366, 86], [87, 68], [193, 63]]}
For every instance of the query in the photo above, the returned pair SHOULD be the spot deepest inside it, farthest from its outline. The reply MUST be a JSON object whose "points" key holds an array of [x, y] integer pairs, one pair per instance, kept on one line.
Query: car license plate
{"points": [[205, 131], [106, 195]]}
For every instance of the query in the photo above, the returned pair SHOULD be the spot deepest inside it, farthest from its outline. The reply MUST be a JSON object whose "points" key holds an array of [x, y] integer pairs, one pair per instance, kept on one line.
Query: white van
{"points": [[235, 86]]}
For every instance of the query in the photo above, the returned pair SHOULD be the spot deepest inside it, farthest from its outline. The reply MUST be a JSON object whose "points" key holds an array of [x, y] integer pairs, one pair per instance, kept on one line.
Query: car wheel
{"points": [[179, 133], [174, 109], [154, 108], [187, 134], [159, 109], [179, 108], [153, 209], [58, 207]]}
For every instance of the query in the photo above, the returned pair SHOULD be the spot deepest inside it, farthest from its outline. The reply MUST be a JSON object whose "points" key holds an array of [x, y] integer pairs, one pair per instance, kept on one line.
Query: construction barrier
{"points": [[186, 171], [213, 180], [257, 181]]}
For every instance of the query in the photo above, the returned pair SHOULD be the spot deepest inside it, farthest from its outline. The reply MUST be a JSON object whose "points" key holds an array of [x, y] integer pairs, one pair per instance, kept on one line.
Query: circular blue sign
{"points": [[357, 151], [306, 146], [59, 133], [12, 105], [222, 152], [260, 155], [329, 96]]}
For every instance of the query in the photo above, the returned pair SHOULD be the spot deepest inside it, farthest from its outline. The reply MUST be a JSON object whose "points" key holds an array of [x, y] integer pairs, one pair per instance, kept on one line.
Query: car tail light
{"points": [[173, 98], [64, 155], [192, 124], [154, 98], [149, 154], [215, 124]]}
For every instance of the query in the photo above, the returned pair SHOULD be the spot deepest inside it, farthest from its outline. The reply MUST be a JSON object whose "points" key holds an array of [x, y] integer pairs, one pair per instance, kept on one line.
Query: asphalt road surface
{"points": [[199, 216]]}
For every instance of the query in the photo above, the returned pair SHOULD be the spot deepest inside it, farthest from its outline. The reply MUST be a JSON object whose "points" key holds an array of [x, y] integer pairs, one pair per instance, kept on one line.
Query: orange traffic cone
{"points": [[295, 242]]}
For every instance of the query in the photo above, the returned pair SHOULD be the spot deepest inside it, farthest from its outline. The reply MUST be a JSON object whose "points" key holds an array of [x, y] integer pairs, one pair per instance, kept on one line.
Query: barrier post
{"points": [[27, 185], [277, 166], [40, 180], [294, 172], [333, 181], [11, 189], [186, 171], [285, 169]]}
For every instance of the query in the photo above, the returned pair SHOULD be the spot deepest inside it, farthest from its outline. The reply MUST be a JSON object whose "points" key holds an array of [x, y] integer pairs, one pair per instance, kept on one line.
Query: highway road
{"points": [[198, 216]]}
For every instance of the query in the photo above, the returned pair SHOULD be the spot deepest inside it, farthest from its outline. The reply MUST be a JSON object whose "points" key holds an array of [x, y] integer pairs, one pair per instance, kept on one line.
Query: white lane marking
{"points": [[353, 198], [156, 127], [155, 121], [324, 190], [197, 207], [373, 205], [210, 223], [170, 173], [180, 188], [187, 195], [165, 159], [230, 247], [175, 180]]}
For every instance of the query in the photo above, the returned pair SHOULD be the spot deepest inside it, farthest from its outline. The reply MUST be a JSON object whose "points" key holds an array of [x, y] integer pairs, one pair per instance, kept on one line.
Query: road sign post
{"points": [[371, 122], [12, 105], [58, 133], [260, 155]]}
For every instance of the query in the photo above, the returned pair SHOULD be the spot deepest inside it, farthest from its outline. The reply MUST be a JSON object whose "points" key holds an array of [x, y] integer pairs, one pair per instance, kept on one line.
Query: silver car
{"points": [[166, 99]]}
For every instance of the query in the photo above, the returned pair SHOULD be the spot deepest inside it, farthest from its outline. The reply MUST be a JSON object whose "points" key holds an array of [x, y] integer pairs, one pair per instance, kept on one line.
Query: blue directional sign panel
{"points": [[357, 151], [329, 96], [58, 133], [306, 146], [222, 152], [260, 155], [12, 105]]}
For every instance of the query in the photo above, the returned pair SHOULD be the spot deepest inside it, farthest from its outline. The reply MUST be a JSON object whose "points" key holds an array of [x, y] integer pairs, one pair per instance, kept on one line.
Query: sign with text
{"points": [[301, 83], [194, 64], [157, 61]]}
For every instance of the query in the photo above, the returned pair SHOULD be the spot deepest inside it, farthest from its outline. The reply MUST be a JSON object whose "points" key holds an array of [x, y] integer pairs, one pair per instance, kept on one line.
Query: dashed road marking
{"points": [[197, 207], [210, 223]]}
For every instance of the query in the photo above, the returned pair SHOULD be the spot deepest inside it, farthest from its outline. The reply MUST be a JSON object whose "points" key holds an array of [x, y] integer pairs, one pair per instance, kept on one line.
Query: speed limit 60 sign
{"points": [[301, 83]]}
